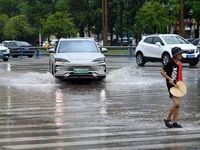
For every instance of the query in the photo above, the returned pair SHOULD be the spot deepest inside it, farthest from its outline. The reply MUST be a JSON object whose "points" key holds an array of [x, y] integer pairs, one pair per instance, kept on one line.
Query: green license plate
{"points": [[80, 70]]}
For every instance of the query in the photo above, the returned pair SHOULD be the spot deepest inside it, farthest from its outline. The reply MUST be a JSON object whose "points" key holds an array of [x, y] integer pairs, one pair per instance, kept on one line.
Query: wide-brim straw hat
{"points": [[179, 90]]}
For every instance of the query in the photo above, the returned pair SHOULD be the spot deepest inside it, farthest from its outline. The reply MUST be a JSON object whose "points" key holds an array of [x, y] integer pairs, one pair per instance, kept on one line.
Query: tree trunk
{"points": [[81, 32], [121, 23], [197, 30], [154, 30], [111, 34]]}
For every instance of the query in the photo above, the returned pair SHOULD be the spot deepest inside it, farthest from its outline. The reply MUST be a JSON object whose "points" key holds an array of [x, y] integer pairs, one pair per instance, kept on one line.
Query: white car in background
{"points": [[77, 58], [157, 48], [4, 53], [54, 42]]}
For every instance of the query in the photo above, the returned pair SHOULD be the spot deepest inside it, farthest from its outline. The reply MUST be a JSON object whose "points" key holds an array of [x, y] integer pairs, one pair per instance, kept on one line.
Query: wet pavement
{"points": [[124, 112]]}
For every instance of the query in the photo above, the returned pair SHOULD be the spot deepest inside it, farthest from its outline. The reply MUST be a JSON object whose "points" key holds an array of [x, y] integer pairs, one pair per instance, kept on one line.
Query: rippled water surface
{"points": [[130, 99]]}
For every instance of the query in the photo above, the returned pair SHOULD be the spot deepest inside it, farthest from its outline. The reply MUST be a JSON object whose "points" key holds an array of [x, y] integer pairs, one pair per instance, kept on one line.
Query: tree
{"points": [[18, 27], [37, 11], [9, 7], [60, 25], [194, 13], [95, 16], [196, 10], [3, 21], [78, 11], [191, 10], [153, 18], [61, 6]]}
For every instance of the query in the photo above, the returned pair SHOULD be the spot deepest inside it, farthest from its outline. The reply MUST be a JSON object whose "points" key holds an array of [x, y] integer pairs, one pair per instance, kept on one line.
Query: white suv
{"points": [[157, 48], [77, 58], [4, 53]]}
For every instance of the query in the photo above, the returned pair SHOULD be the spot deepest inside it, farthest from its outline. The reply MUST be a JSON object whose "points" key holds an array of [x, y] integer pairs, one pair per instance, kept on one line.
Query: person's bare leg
{"points": [[174, 109], [177, 105]]}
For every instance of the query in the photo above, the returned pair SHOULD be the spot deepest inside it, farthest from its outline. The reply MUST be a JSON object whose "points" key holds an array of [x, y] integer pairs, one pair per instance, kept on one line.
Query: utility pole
{"points": [[105, 22], [181, 18]]}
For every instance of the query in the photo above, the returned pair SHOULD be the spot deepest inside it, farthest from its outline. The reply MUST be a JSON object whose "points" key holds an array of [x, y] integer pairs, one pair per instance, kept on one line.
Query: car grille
{"points": [[90, 68], [2, 50], [191, 51]]}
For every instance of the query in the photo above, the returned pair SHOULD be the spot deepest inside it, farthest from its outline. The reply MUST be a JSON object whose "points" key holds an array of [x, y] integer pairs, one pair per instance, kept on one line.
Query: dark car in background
{"points": [[15, 46], [196, 42], [191, 40]]}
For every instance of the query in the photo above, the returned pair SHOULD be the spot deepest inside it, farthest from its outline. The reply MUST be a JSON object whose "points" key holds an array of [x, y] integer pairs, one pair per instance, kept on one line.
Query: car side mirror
{"points": [[158, 43], [52, 50], [103, 50]]}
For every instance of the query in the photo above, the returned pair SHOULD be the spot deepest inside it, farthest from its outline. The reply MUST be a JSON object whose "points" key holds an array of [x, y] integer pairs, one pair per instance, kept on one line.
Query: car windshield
{"points": [[22, 43], [174, 40], [77, 47]]}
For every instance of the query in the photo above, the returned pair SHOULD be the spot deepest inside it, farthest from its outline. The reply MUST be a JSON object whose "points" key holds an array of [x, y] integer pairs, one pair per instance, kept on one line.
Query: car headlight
{"points": [[100, 60], [59, 61], [7, 50], [197, 50]]}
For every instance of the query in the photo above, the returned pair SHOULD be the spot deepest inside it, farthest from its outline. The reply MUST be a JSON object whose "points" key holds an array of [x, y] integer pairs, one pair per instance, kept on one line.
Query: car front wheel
{"points": [[193, 63], [30, 56], [52, 71], [140, 59], [165, 59], [5, 59]]}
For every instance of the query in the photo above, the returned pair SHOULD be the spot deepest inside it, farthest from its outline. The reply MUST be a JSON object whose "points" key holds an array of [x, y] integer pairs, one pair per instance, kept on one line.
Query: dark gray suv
{"points": [[14, 47]]}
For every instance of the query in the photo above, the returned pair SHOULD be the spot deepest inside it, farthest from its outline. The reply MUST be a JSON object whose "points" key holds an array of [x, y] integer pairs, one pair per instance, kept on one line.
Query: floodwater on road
{"points": [[125, 111]]}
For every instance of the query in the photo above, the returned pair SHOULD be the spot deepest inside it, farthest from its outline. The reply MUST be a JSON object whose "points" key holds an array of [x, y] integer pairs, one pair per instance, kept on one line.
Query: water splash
{"points": [[30, 82], [131, 76], [38, 78], [124, 74], [28, 79]]}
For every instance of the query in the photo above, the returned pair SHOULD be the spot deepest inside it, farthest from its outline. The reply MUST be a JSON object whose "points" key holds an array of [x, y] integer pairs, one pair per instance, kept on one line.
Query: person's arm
{"points": [[167, 77]]}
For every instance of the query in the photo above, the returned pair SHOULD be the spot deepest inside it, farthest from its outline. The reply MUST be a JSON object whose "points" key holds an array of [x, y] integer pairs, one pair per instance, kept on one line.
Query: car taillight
{"points": [[137, 44], [97, 43]]}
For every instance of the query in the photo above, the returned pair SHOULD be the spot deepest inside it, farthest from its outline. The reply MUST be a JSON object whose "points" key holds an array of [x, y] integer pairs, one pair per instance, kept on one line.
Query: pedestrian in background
{"points": [[47, 45], [173, 73]]}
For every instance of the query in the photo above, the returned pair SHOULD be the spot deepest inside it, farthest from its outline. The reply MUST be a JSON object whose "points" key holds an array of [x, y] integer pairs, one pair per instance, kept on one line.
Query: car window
{"points": [[148, 40], [12, 44], [22, 43], [175, 40], [6, 44], [196, 42], [157, 39], [77, 46]]}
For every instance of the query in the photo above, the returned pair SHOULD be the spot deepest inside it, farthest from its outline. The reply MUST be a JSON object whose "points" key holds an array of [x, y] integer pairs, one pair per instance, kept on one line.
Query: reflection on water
{"points": [[9, 104], [8, 67], [59, 113], [103, 99], [59, 109]]}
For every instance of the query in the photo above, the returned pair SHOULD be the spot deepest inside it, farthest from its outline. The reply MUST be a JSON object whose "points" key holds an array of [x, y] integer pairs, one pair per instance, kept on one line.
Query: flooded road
{"points": [[125, 111]]}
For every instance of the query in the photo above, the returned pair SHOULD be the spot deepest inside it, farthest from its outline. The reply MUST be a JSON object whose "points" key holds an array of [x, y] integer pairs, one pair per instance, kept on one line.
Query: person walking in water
{"points": [[173, 73]]}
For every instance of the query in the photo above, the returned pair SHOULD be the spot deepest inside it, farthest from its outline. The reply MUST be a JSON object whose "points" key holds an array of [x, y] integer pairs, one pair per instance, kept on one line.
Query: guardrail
{"points": [[115, 50], [20, 51], [120, 50]]}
